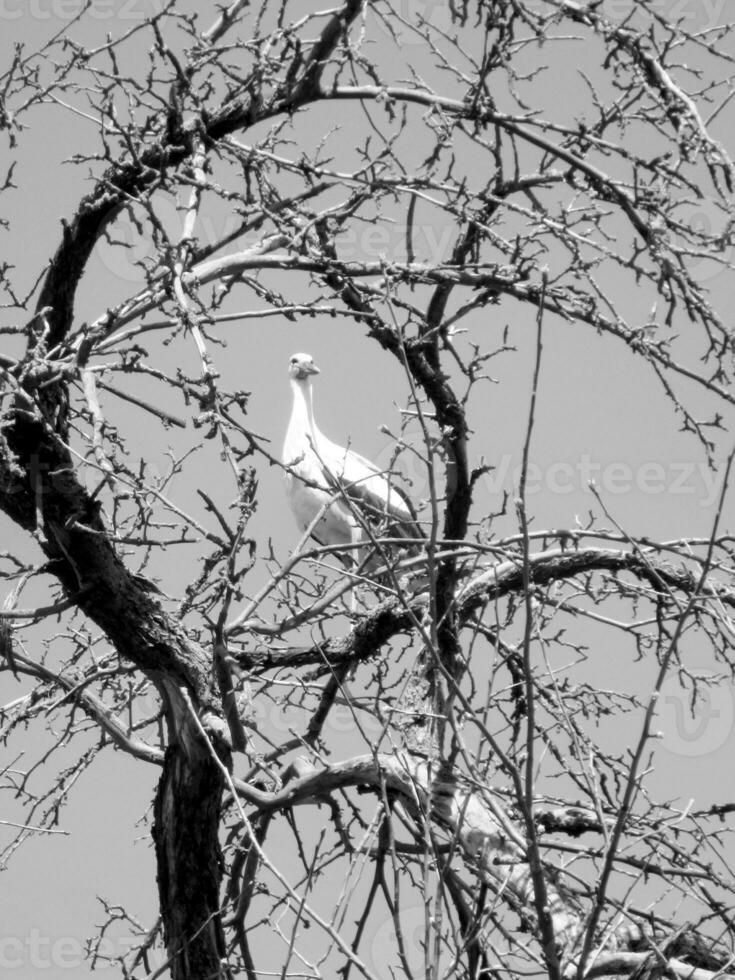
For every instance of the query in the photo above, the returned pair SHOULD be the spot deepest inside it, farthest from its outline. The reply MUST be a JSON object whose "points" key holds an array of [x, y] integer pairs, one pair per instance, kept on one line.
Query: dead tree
{"points": [[398, 173]]}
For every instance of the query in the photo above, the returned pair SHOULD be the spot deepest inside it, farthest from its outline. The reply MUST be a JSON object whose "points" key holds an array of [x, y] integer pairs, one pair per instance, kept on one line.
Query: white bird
{"points": [[321, 476]]}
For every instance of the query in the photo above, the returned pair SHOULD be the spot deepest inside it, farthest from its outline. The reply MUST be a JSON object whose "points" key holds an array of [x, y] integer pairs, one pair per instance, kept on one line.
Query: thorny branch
{"points": [[405, 181]]}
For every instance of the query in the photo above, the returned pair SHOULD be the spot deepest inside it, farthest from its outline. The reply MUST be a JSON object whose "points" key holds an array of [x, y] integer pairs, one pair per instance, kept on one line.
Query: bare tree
{"points": [[479, 782]]}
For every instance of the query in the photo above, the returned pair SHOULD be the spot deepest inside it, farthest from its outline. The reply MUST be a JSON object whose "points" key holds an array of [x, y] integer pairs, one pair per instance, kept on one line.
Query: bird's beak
{"points": [[311, 369]]}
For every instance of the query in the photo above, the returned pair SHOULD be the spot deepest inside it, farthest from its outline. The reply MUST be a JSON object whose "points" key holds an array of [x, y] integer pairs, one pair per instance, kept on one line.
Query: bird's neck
{"points": [[302, 414]]}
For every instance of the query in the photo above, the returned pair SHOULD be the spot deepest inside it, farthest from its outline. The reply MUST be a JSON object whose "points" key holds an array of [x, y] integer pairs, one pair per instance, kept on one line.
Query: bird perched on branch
{"points": [[351, 493]]}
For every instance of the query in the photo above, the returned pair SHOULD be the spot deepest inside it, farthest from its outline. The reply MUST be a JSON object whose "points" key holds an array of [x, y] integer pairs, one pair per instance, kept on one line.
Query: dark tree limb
{"points": [[391, 618]]}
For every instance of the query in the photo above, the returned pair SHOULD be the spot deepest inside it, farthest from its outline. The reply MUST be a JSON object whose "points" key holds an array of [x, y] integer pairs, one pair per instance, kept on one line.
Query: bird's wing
{"points": [[369, 488]]}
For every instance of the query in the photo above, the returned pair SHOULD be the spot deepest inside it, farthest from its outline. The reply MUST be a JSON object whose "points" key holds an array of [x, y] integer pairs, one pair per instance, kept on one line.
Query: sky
{"points": [[600, 417]]}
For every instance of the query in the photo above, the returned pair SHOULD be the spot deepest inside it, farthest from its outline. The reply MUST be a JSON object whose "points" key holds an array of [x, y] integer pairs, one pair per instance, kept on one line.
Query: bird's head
{"points": [[300, 366]]}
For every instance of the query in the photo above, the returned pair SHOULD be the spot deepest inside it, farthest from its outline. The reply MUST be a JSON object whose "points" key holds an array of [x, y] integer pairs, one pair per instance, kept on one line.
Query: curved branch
{"points": [[504, 280], [124, 182], [512, 125], [391, 618], [488, 842], [491, 847], [675, 101], [93, 706]]}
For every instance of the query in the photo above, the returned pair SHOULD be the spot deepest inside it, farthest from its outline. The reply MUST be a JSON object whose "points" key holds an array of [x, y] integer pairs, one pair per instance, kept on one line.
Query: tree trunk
{"points": [[189, 860]]}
